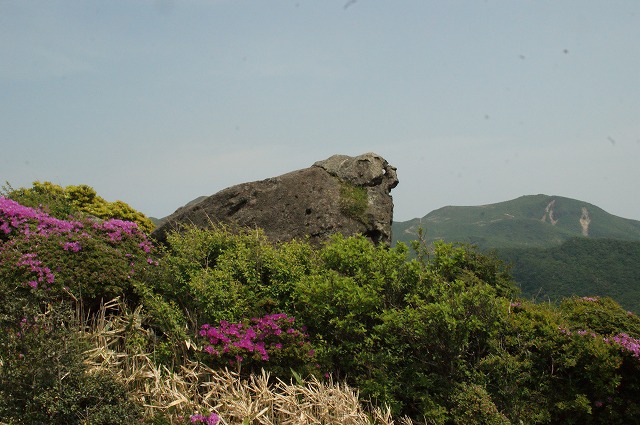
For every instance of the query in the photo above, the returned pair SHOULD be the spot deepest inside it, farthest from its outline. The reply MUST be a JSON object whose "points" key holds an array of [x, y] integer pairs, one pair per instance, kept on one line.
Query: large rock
{"points": [[342, 194]]}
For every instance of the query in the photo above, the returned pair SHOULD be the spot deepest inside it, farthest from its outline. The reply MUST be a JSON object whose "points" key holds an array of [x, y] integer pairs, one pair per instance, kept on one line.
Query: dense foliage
{"points": [[44, 380], [581, 267], [551, 259], [440, 336], [61, 202]]}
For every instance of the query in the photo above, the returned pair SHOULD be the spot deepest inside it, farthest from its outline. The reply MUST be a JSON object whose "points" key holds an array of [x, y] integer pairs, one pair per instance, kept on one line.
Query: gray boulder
{"points": [[341, 194]]}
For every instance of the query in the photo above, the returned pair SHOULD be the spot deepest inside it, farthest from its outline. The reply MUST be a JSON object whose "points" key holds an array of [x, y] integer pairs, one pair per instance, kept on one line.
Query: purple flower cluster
{"points": [[258, 338], [590, 299], [579, 332], [16, 219], [14, 216], [26, 220], [34, 265], [627, 342], [212, 419], [72, 246], [582, 332], [115, 228], [564, 330]]}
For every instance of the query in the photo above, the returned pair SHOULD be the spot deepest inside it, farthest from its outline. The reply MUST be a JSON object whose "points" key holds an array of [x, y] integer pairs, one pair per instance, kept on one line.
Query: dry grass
{"points": [[194, 387]]}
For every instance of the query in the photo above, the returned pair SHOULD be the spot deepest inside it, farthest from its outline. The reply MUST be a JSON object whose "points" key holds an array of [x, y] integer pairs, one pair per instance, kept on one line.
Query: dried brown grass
{"points": [[193, 387]]}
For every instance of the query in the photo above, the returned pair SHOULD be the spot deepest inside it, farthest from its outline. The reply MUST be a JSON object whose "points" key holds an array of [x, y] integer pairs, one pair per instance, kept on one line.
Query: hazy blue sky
{"points": [[475, 102]]}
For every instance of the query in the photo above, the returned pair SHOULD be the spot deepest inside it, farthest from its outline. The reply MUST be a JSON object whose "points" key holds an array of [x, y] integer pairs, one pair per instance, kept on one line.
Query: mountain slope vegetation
{"points": [[529, 221], [102, 325], [558, 247], [580, 267]]}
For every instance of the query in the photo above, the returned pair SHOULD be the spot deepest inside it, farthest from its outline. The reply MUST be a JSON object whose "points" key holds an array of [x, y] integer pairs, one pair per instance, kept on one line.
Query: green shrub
{"points": [[63, 202], [230, 274], [401, 331], [601, 315], [472, 405], [440, 338], [43, 378], [542, 369], [86, 259]]}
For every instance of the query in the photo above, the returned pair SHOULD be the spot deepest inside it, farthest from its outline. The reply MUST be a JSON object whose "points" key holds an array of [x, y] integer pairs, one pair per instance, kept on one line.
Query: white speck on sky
{"points": [[158, 102]]}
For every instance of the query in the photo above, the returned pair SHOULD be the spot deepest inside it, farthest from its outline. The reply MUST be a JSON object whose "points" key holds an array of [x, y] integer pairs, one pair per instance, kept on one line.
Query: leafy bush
{"points": [[63, 202], [81, 262], [400, 330], [600, 314], [43, 378], [440, 337], [472, 405], [542, 369], [232, 274], [83, 259]]}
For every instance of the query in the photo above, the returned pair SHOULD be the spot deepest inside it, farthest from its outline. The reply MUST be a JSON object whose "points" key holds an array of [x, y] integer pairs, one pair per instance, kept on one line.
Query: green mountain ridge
{"points": [[526, 222], [557, 246]]}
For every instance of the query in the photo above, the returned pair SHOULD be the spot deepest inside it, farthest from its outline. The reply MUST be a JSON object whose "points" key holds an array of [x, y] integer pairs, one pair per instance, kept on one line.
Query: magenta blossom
{"points": [[18, 222], [627, 343], [258, 338], [211, 419], [17, 217]]}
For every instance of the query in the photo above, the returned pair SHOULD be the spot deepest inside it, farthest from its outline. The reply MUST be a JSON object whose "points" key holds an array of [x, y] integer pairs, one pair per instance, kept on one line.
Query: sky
{"points": [[157, 102]]}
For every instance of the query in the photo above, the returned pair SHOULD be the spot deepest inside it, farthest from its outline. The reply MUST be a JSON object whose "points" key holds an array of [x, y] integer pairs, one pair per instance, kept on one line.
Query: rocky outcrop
{"points": [[341, 194]]}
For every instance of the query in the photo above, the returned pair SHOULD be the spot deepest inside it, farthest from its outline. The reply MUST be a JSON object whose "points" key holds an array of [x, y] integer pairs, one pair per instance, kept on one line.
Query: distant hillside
{"points": [[526, 222], [581, 267], [159, 221], [557, 246]]}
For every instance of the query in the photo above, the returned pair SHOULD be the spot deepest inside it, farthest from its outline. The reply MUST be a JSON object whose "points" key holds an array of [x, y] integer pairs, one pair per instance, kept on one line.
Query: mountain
{"points": [[556, 246], [160, 221], [526, 222]]}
